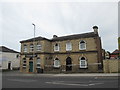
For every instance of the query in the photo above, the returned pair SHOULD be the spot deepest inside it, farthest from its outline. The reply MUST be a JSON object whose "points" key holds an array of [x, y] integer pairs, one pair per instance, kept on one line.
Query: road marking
{"points": [[74, 83], [67, 84], [20, 80], [95, 84]]}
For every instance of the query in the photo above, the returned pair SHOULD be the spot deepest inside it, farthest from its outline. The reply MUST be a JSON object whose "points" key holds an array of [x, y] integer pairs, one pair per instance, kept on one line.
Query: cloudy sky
{"points": [[59, 18]]}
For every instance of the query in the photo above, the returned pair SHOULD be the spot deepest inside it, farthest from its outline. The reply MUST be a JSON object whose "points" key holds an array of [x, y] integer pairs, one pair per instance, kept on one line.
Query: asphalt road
{"points": [[49, 81]]}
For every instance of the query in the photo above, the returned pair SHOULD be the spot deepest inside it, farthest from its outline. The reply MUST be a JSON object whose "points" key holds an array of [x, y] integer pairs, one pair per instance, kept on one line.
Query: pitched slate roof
{"points": [[75, 36], [5, 49], [115, 52], [36, 39], [69, 37]]}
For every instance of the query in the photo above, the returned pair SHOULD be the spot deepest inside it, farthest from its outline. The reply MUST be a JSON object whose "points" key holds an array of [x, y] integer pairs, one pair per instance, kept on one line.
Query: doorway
{"points": [[68, 64], [9, 65], [30, 66]]}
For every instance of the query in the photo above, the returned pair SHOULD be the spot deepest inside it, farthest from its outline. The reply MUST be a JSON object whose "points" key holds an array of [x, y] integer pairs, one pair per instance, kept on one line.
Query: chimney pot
{"points": [[95, 28], [54, 36]]}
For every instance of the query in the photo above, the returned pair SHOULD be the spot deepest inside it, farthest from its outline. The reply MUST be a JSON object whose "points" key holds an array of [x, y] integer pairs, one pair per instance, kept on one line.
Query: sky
{"points": [[58, 18]]}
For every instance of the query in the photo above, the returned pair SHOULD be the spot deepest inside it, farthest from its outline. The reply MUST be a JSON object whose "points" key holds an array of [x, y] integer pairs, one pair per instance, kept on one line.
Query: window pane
{"points": [[25, 48], [24, 61], [82, 58], [31, 47], [68, 46], [24, 64], [56, 47], [38, 60], [82, 45], [83, 63], [39, 47], [56, 63], [38, 65]]}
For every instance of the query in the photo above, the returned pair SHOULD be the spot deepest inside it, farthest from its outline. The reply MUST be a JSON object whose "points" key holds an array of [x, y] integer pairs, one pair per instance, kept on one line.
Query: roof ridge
{"points": [[76, 34], [6, 49], [73, 36]]}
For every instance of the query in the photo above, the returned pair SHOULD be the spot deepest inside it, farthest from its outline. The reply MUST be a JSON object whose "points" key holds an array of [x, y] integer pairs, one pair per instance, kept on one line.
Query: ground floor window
{"points": [[83, 62], [24, 62], [38, 63], [56, 63]]}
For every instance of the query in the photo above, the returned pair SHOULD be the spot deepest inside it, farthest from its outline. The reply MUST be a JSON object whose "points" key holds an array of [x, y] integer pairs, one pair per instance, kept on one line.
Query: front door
{"points": [[68, 64], [30, 66], [9, 65]]}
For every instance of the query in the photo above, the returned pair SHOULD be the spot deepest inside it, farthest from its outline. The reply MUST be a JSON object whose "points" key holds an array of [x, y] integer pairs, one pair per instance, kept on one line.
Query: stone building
{"points": [[72, 53], [119, 46]]}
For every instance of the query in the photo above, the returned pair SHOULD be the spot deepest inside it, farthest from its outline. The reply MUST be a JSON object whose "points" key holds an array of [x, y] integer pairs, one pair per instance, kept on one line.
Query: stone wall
{"points": [[111, 65]]}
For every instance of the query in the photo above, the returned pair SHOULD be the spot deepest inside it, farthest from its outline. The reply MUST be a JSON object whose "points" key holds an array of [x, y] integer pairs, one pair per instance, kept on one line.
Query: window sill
{"points": [[56, 67], [69, 51], [82, 49], [38, 50], [84, 68], [24, 52], [56, 50], [38, 67]]}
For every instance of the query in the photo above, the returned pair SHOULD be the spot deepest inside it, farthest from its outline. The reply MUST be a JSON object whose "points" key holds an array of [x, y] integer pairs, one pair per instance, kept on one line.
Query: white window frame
{"points": [[56, 48], [38, 63], [84, 45], [25, 48], [85, 61], [31, 47], [58, 61], [68, 46], [39, 47], [24, 63]]}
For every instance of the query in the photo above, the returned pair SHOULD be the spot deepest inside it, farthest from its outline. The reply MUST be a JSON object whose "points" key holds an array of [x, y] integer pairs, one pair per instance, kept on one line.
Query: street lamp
{"points": [[33, 46], [34, 29]]}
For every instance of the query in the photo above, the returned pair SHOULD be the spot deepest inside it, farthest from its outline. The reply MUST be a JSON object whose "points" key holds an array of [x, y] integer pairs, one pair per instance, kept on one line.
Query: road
{"points": [[52, 81]]}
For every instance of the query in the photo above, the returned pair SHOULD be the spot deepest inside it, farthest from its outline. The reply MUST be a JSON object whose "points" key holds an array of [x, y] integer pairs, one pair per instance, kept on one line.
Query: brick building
{"points": [[72, 53], [115, 54]]}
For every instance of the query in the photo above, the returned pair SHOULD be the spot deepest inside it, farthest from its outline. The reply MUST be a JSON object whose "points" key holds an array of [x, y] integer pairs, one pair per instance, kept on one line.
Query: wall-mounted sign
{"points": [[30, 55]]}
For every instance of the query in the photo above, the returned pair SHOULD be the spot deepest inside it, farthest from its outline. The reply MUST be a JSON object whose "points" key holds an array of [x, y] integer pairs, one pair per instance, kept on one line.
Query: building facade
{"points": [[119, 46], [9, 59], [72, 53]]}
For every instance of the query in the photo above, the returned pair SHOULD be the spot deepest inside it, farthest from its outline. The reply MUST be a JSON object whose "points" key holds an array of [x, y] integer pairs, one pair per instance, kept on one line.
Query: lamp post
{"points": [[33, 46], [34, 29]]}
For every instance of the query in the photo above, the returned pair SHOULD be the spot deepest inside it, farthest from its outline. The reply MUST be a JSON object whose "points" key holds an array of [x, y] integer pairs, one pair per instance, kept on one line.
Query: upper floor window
{"points": [[82, 45], [39, 47], [56, 63], [25, 48], [83, 62], [68, 46], [56, 47], [31, 47], [38, 63]]}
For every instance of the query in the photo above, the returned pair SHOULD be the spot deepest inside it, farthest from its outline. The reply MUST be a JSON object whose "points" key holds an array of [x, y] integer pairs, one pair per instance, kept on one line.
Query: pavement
{"points": [[17, 73], [89, 74]]}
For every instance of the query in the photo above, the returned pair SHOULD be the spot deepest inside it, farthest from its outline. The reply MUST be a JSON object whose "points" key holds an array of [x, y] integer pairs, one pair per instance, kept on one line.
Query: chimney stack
{"points": [[54, 36], [95, 28]]}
